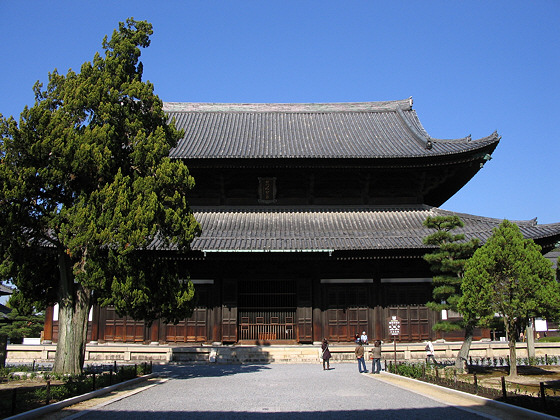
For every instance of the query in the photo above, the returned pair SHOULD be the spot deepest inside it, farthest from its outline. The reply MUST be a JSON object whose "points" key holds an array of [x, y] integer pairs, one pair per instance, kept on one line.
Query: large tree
{"points": [[509, 276], [87, 188], [448, 262]]}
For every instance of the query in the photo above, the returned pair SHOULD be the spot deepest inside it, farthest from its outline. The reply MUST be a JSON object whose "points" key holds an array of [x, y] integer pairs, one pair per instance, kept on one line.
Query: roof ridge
{"points": [[378, 106], [530, 222], [313, 209], [492, 137], [418, 136]]}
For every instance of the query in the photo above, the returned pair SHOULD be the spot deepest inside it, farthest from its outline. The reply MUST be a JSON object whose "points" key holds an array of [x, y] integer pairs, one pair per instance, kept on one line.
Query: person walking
{"points": [[359, 351], [430, 353], [325, 354], [376, 356]]}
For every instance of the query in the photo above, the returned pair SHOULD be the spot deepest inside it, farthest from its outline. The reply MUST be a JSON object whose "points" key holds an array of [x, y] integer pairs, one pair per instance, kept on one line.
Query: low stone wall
{"points": [[132, 353], [45, 353], [479, 349]]}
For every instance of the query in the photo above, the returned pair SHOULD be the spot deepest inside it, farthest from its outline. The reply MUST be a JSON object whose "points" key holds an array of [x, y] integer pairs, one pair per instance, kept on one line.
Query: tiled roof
{"points": [[4, 311], [5, 290], [336, 229], [553, 256], [334, 130]]}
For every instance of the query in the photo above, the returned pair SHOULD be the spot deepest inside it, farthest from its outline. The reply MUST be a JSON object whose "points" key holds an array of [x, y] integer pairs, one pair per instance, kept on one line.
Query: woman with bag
{"points": [[325, 354]]}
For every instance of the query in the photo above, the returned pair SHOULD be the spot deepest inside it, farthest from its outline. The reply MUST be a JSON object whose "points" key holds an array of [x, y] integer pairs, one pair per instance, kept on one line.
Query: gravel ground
{"points": [[276, 391]]}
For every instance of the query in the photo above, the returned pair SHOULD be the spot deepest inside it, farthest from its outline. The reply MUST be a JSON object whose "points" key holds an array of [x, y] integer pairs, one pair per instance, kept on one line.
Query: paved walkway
{"points": [[275, 391]]}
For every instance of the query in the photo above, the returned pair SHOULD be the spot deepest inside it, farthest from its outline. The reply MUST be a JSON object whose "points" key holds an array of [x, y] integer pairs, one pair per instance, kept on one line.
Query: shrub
{"points": [[412, 370], [549, 340]]}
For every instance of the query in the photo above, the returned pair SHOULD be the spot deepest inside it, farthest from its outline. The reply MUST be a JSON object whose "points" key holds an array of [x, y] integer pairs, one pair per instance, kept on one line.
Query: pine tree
{"points": [[509, 276], [448, 263], [24, 319], [87, 187]]}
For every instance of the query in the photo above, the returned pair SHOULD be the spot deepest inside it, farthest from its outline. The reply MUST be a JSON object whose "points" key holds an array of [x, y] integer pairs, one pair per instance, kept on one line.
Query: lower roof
{"points": [[5, 290], [290, 229]]}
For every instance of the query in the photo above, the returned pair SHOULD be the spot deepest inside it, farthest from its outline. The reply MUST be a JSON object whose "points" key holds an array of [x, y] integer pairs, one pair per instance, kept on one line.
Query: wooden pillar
{"points": [[154, 332], [318, 333], [95, 324], [101, 324], [229, 310], [304, 311], [377, 308], [311, 190], [215, 312], [365, 189], [48, 329], [222, 189]]}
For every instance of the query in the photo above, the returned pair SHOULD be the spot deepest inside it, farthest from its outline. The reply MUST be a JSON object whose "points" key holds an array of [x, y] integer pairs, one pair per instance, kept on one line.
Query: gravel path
{"points": [[276, 391]]}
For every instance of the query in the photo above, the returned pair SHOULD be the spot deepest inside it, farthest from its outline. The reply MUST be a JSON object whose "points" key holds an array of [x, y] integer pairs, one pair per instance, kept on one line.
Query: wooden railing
{"points": [[266, 326]]}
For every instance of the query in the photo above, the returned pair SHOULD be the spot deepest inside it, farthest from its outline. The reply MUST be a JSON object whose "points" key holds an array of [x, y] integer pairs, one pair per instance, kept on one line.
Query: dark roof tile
{"points": [[344, 228], [345, 130]]}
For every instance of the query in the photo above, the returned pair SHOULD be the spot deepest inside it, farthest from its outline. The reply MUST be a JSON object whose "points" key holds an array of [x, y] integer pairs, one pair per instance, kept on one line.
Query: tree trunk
{"points": [[511, 334], [462, 357], [74, 304], [3, 350], [530, 334], [512, 358]]}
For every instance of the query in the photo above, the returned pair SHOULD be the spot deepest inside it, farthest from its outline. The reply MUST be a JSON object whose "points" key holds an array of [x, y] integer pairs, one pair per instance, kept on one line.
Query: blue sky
{"points": [[472, 67]]}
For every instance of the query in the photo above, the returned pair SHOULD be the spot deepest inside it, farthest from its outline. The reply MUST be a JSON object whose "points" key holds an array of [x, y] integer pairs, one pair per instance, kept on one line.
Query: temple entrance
{"points": [[267, 310]]}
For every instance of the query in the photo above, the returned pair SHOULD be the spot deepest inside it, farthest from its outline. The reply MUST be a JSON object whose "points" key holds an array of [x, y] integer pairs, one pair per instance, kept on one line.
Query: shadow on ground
{"points": [[207, 371], [397, 414]]}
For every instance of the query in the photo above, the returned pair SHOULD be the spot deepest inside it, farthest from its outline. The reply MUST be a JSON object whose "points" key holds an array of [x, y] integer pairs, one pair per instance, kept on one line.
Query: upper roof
{"points": [[389, 129], [286, 229]]}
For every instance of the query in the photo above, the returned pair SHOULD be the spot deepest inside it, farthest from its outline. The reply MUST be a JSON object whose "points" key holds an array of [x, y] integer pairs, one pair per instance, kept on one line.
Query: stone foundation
{"points": [[132, 353]]}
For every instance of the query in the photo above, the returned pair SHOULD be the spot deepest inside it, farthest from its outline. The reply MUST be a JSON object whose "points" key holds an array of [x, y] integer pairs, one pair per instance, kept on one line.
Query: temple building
{"points": [[311, 220]]}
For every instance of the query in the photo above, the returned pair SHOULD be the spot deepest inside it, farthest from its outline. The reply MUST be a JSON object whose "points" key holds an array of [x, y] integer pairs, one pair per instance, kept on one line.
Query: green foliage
{"points": [[23, 305], [33, 397], [87, 187], [412, 370], [22, 321], [447, 262], [509, 276], [549, 340], [86, 171]]}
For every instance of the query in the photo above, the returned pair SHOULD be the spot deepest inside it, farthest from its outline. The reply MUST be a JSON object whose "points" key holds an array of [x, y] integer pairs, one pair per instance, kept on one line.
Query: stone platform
{"points": [[226, 354]]}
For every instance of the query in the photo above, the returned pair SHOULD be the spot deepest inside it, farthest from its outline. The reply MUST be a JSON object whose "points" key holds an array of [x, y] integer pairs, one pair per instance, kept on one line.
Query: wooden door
{"points": [[347, 311], [194, 328], [304, 311], [407, 300], [415, 322], [122, 329]]}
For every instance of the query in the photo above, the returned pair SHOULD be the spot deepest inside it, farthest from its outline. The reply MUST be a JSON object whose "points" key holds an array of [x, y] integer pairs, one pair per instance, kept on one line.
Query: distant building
{"points": [[311, 220], [553, 257], [4, 310]]}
